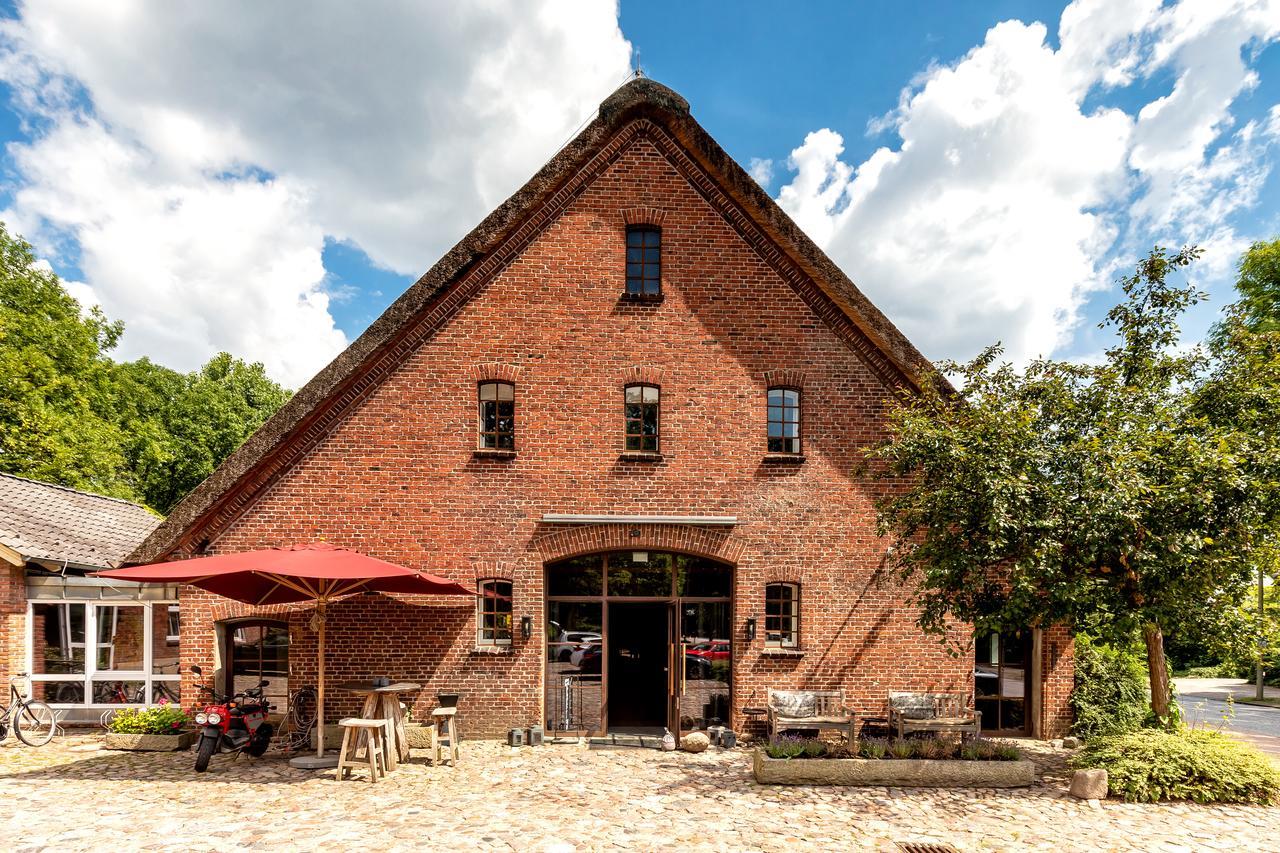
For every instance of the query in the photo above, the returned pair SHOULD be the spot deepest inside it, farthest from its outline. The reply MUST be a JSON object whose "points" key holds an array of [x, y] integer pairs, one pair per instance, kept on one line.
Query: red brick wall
{"points": [[398, 479], [13, 622], [1057, 674]]}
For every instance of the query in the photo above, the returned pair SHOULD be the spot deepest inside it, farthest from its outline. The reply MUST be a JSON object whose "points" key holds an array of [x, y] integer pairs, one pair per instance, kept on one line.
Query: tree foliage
{"points": [[71, 415], [1115, 497]]}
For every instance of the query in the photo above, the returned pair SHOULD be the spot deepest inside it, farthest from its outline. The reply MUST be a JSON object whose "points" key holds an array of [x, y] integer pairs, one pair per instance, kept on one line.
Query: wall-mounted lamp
{"points": [[526, 627], [751, 629]]}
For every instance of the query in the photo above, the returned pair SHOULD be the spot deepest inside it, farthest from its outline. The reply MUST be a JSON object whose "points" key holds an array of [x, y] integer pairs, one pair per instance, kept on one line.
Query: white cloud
{"points": [[1000, 209], [394, 126], [761, 170]]}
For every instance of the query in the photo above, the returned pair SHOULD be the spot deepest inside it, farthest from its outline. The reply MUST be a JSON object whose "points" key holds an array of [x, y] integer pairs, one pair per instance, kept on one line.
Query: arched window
{"points": [[493, 613], [644, 260], [782, 615], [642, 418], [784, 420], [497, 416]]}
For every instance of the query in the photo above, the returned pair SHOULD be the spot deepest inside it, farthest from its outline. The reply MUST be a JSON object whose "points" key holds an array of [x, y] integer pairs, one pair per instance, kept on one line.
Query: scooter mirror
{"points": [[263, 683], [197, 670]]}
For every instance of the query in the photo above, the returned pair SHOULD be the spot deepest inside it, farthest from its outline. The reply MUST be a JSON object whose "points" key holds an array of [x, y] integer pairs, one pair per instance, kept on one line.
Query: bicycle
{"points": [[33, 721]]}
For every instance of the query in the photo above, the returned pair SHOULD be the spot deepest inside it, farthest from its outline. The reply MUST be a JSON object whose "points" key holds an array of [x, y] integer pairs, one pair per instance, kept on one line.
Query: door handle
{"points": [[684, 667]]}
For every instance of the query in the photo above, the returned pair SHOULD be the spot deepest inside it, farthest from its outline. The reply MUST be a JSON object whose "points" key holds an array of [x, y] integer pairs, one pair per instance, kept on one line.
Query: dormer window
{"points": [[644, 261]]}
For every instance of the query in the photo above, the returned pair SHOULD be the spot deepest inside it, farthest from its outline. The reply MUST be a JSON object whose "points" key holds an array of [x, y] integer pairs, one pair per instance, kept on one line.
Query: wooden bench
{"points": [[809, 709], [940, 713]]}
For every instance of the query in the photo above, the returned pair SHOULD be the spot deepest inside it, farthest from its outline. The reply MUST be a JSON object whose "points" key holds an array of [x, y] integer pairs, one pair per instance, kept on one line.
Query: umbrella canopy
{"points": [[315, 571]]}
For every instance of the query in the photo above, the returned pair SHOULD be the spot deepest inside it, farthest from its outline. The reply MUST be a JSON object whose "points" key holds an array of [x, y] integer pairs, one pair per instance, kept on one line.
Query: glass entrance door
{"points": [[637, 639], [1001, 665]]}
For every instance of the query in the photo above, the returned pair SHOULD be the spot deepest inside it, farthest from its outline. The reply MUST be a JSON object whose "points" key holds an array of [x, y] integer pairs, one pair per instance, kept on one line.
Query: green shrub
{"points": [[1110, 695], [902, 749], [1187, 764], [814, 748], [160, 720]]}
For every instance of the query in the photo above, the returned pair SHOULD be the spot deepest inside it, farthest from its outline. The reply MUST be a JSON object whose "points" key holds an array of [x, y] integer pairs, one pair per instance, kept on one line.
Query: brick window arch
{"points": [[493, 612]]}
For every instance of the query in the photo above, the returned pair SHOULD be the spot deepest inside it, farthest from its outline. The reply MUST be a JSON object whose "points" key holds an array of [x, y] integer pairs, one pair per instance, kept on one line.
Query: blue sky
{"points": [[263, 181]]}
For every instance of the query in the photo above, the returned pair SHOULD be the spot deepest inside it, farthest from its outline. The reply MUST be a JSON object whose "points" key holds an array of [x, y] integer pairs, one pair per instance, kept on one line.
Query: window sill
{"points": [[491, 650], [640, 456], [776, 652], [493, 453], [642, 298], [783, 458]]}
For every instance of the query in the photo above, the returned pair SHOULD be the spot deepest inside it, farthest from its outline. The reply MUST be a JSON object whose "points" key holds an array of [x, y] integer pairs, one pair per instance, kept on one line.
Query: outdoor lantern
{"points": [[751, 629], [526, 626]]}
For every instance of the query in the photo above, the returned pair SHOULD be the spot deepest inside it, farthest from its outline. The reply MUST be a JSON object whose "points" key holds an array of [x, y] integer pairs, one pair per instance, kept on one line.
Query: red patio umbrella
{"points": [[316, 571]]}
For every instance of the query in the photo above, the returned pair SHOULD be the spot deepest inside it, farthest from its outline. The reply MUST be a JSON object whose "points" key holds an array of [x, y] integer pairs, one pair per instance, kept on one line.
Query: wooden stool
{"points": [[354, 731], [444, 735]]}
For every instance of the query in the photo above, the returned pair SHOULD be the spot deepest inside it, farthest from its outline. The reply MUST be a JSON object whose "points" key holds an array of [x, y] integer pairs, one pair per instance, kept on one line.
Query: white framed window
{"points": [[94, 654], [493, 613]]}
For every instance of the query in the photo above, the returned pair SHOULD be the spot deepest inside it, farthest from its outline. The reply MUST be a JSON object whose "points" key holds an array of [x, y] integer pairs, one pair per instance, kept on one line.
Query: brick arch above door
{"points": [[716, 544]]}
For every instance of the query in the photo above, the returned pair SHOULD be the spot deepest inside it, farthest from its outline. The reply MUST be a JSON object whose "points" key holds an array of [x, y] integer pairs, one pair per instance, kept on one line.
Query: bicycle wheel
{"points": [[34, 723]]}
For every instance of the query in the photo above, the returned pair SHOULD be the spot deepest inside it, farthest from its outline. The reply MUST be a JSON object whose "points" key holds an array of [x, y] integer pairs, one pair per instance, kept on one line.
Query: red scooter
{"points": [[233, 724]]}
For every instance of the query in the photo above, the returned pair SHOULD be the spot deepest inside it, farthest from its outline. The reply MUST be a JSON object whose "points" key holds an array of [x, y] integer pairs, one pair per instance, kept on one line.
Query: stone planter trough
{"points": [[895, 772], [149, 743]]}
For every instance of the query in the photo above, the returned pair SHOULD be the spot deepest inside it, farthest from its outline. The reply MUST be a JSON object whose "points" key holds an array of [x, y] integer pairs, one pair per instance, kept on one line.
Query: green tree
{"points": [[1109, 497], [1258, 286], [136, 430], [55, 422]]}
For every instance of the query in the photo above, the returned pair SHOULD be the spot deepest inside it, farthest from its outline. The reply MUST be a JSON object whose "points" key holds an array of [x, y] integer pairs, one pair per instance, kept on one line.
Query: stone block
{"points": [[897, 773], [695, 742], [1071, 743], [149, 743], [1089, 784]]}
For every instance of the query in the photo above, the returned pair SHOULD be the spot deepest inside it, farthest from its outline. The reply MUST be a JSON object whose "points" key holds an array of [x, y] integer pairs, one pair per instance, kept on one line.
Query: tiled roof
{"points": [[42, 521]]}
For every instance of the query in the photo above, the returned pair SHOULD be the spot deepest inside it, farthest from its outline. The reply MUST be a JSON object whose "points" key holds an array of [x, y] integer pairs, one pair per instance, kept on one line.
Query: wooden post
{"points": [[320, 681]]}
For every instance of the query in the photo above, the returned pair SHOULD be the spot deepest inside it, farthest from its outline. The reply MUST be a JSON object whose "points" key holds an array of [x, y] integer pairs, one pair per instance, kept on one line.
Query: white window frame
{"points": [[92, 673]]}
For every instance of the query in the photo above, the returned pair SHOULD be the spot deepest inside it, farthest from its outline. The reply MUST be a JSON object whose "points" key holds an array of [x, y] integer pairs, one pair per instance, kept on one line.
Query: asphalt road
{"points": [[1250, 719]]}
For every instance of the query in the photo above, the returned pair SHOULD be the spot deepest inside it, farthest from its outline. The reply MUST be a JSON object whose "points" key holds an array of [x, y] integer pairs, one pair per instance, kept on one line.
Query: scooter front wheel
{"points": [[208, 745]]}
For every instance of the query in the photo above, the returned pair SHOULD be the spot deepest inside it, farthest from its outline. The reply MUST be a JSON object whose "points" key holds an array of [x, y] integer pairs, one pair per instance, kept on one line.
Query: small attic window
{"points": [[644, 261]]}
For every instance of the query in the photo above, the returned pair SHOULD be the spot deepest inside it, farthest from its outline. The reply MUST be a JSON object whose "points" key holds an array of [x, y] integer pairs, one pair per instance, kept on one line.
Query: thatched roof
{"points": [[348, 377]]}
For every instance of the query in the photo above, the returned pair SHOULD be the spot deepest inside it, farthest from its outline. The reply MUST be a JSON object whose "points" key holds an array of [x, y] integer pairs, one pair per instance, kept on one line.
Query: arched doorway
{"points": [[256, 650], [638, 641]]}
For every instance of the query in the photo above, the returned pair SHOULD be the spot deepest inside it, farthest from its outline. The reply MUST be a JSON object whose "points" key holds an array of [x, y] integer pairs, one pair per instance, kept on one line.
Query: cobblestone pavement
{"points": [[72, 795]]}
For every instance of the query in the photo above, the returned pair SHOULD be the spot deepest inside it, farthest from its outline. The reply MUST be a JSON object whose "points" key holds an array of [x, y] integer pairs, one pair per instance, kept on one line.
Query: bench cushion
{"points": [[794, 704]]}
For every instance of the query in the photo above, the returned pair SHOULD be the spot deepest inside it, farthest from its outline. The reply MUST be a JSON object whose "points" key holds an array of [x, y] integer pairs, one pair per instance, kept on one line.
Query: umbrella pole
{"points": [[320, 682]]}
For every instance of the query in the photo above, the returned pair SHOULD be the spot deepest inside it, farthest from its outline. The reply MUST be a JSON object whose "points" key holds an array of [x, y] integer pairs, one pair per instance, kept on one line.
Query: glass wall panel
{"points": [[640, 573], [121, 644], [57, 637], [164, 639], [697, 577], [260, 651], [116, 692], [704, 639], [578, 576]]}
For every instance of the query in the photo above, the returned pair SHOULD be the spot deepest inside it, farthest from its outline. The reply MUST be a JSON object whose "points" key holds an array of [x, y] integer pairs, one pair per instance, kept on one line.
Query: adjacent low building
{"points": [[90, 645], [629, 409]]}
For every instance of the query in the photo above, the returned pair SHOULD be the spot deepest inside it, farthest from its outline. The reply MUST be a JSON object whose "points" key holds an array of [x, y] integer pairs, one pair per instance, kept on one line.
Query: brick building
{"points": [[628, 408]]}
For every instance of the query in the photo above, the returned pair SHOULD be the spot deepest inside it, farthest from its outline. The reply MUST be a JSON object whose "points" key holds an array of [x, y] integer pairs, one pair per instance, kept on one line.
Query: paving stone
{"points": [[70, 796]]}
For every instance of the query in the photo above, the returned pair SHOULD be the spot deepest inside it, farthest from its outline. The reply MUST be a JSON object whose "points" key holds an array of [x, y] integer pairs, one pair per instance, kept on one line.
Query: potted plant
{"points": [[161, 728]]}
